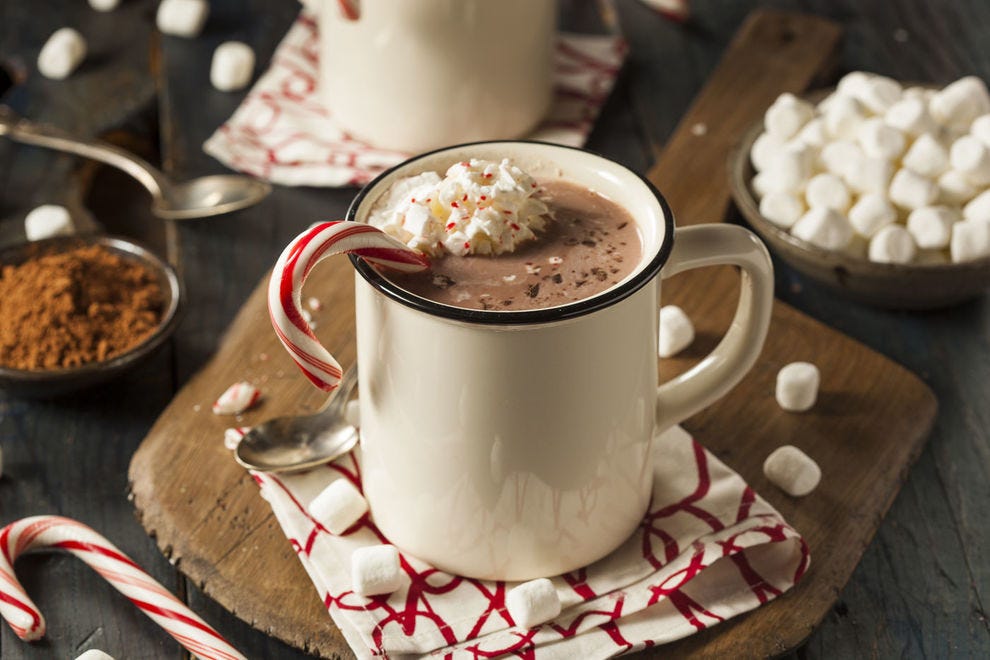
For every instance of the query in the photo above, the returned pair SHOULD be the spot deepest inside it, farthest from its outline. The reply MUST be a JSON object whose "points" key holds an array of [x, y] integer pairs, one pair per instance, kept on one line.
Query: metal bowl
{"points": [[46, 383], [892, 286]]}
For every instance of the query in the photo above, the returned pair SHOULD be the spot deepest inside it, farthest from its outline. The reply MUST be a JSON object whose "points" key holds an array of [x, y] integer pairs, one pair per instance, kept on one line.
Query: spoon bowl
{"points": [[208, 196], [291, 444], [202, 197]]}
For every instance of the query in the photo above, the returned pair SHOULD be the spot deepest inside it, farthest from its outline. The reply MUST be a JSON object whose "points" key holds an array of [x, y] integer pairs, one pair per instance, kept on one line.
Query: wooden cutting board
{"points": [[869, 425]]}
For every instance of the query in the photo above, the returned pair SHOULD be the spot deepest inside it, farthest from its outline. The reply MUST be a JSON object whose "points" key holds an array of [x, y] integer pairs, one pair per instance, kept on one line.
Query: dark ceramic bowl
{"points": [[54, 382], [893, 286]]}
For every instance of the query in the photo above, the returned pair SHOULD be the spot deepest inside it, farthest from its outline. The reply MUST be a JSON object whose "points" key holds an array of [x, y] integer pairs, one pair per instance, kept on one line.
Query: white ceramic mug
{"points": [[412, 75], [517, 444]]}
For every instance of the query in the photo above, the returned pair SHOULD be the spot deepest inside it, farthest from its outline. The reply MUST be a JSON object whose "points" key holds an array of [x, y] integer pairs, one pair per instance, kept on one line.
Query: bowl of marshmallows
{"points": [[875, 188]]}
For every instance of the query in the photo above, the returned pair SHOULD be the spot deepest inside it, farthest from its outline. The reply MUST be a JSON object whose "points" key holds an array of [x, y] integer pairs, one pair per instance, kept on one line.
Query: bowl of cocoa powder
{"points": [[77, 311]]}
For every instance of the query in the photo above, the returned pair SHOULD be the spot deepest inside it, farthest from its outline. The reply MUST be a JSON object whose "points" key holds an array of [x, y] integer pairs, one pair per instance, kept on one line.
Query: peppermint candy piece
{"points": [[236, 399]]}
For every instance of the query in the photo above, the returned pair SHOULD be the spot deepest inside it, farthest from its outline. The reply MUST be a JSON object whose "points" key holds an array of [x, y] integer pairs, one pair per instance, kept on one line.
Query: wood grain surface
{"points": [[922, 587], [207, 516]]}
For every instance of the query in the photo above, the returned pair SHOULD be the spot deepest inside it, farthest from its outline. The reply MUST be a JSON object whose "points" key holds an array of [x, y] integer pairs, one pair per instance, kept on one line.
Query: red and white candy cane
{"points": [[292, 268], [152, 598]]}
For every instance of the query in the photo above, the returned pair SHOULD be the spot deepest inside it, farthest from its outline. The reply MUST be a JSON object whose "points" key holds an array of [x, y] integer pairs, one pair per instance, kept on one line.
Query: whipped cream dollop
{"points": [[478, 207]]}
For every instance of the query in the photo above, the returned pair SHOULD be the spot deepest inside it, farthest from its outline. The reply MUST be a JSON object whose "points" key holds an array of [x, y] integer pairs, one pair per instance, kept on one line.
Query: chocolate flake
{"points": [[557, 278], [622, 226], [599, 274], [442, 281], [533, 290]]}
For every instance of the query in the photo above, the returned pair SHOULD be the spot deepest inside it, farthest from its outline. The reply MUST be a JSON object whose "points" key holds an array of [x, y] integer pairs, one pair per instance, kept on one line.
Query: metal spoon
{"points": [[288, 444], [197, 198]]}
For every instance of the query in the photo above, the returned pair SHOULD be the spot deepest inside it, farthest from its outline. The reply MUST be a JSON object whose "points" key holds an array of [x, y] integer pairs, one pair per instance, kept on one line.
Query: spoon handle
{"points": [[26, 131]]}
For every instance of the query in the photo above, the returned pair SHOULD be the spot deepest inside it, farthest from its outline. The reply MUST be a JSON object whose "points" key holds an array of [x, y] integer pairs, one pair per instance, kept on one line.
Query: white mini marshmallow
{"points": [[786, 116], [878, 140], [182, 18], [955, 188], [892, 244], [910, 116], [94, 654], [375, 570], [825, 228], [532, 603], [104, 5], [813, 134], [838, 156], [782, 208], [824, 104], [970, 240], [765, 147], [790, 168], [46, 221], [912, 191], [236, 399], [62, 54], [852, 83], [676, 331], [797, 386], [931, 226], [843, 117], [981, 129], [878, 94], [232, 67], [927, 157], [338, 506], [971, 157], [827, 190], [761, 185], [793, 471], [869, 175], [978, 208], [870, 213], [959, 103]]}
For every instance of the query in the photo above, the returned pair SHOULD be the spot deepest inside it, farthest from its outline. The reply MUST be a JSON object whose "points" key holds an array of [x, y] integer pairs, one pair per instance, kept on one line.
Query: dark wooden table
{"points": [[922, 584]]}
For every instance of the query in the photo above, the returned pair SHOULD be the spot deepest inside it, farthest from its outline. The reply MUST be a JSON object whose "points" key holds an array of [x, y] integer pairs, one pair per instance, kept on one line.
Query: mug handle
{"points": [[724, 367]]}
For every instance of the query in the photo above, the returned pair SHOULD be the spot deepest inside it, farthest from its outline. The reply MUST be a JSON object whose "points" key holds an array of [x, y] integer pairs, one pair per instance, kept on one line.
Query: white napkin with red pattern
{"points": [[283, 133], [708, 549]]}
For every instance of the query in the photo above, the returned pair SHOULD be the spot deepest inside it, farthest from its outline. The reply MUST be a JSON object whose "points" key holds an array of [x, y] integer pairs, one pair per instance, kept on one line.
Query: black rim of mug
{"points": [[526, 317]]}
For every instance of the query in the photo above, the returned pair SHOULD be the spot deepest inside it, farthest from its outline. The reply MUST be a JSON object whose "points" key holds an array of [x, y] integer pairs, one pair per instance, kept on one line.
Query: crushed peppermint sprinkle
{"points": [[233, 436], [556, 261], [476, 227], [236, 399]]}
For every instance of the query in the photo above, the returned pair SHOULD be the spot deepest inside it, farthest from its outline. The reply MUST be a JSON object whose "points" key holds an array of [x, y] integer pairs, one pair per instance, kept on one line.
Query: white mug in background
{"points": [[416, 75], [517, 444]]}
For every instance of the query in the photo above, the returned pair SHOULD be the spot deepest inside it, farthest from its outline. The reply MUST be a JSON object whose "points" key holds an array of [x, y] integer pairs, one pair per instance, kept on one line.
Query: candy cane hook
{"points": [[152, 598], [292, 268]]}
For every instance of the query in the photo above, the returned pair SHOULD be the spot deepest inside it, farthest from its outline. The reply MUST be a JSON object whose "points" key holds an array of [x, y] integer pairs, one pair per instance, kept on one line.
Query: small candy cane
{"points": [[117, 568], [292, 268]]}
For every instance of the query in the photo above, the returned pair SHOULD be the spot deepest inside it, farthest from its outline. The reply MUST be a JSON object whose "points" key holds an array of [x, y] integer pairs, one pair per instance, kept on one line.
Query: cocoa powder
{"points": [[65, 309]]}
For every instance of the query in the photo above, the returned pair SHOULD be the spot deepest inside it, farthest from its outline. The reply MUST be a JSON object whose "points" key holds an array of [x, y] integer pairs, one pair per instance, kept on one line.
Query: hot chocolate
{"points": [[590, 244]]}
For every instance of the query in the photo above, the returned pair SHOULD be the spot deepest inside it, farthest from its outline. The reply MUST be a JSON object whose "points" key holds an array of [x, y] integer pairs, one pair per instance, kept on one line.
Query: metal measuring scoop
{"points": [[288, 444], [197, 198]]}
